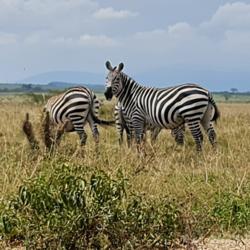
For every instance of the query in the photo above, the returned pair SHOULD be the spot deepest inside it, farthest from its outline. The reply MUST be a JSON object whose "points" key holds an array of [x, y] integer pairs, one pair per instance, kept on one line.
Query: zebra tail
{"points": [[217, 112], [103, 122], [96, 119]]}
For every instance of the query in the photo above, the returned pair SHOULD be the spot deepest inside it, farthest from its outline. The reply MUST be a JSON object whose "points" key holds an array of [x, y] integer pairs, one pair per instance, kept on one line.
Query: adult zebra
{"points": [[73, 109], [168, 107], [123, 122]]}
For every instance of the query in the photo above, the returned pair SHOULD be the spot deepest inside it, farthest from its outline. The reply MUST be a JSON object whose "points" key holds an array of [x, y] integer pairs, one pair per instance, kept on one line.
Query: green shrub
{"points": [[232, 212], [65, 208], [71, 207]]}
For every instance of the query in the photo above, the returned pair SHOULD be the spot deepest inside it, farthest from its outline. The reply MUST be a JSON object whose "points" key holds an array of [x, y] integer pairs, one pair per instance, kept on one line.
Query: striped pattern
{"points": [[166, 108], [123, 122], [73, 109]]}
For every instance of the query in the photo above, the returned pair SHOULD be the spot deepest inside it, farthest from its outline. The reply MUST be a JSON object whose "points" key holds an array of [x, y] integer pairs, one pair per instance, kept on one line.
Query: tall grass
{"points": [[207, 193]]}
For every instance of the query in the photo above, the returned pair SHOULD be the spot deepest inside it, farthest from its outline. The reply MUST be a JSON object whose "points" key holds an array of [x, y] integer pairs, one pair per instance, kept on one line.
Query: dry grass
{"points": [[166, 171]]}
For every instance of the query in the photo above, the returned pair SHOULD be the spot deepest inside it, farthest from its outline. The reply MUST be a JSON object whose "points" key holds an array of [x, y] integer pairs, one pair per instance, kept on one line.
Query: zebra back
{"points": [[74, 102]]}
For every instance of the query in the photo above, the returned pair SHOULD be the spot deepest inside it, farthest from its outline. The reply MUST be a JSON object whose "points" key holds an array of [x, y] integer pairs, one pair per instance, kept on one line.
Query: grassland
{"points": [[180, 196]]}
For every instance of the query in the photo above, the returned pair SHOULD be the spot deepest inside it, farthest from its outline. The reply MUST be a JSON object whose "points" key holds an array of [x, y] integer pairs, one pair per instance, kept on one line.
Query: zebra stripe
{"points": [[123, 122], [73, 109], [168, 108]]}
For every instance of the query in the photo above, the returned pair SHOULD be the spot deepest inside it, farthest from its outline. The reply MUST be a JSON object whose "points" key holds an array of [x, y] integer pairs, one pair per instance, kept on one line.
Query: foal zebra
{"points": [[123, 122], [167, 107], [73, 109]]}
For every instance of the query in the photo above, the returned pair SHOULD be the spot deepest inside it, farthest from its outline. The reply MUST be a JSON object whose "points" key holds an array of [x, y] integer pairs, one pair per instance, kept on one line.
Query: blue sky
{"points": [[187, 40]]}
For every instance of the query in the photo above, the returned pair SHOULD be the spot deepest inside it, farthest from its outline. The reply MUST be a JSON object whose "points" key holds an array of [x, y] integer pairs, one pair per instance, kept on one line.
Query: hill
{"points": [[76, 77], [51, 86]]}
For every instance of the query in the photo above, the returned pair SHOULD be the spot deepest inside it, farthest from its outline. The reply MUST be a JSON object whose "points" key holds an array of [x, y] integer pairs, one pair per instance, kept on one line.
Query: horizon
{"points": [[58, 84]]}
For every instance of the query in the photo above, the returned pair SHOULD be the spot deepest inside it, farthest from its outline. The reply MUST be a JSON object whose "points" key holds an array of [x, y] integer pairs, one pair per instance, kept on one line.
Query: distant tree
{"points": [[37, 89], [234, 90], [26, 87], [226, 95], [4, 90]]}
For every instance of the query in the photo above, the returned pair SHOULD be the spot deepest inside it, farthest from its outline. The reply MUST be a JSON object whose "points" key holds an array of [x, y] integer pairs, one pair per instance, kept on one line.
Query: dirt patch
{"points": [[212, 244], [225, 244]]}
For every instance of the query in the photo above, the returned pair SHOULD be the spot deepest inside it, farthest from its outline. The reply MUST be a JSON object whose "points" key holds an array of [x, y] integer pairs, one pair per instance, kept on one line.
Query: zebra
{"points": [[168, 108], [73, 109], [123, 122]]}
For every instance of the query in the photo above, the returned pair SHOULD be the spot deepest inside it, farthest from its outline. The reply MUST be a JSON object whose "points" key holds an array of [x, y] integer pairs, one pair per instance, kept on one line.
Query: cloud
{"points": [[97, 41], [181, 29], [229, 16], [33, 15], [85, 40], [6, 39], [237, 43], [45, 6], [110, 13]]}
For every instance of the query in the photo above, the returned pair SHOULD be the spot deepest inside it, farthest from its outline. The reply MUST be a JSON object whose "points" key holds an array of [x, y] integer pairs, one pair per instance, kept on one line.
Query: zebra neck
{"points": [[129, 90]]}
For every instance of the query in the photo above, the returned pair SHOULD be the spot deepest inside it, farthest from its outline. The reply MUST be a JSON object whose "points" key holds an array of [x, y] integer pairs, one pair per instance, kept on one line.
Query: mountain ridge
{"points": [[66, 76]]}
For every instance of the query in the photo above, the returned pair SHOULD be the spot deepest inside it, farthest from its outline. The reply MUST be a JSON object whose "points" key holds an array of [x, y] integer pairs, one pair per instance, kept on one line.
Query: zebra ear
{"points": [[120, 67], [108, 66]]}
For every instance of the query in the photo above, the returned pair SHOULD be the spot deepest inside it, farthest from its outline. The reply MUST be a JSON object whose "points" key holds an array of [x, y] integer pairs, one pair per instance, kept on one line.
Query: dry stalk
{"points": [[47, 139], [28, 131]]}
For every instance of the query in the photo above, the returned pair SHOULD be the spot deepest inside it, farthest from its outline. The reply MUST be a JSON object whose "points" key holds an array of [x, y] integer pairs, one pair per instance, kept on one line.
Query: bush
{"points": [[232, 212], [66, 209]]}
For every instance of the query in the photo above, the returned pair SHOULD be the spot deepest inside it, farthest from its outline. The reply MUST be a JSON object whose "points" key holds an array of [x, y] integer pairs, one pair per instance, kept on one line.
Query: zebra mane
{"points": [[128, 80], [136, 85]]}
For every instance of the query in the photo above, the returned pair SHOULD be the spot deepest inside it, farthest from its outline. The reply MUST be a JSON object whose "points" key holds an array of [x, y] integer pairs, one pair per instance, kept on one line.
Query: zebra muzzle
{"points": [[108, 93]]}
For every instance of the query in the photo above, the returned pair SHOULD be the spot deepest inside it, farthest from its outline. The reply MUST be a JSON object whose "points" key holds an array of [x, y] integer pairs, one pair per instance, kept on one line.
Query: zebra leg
{"points": [[120, 129], [212, 136], [178, 134], [208, 127], [129, 136], [154, 134], [195, 129], [126, 124], [95, 133], [78, 123], [129, 139], [66, 127], [59, 133], [119, 122], [93, 127], [83, 136], [139, 134], [120, 137]]}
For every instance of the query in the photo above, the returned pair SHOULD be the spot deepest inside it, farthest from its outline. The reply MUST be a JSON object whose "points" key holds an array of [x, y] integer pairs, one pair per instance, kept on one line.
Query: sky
{"points": [[182, 39]]}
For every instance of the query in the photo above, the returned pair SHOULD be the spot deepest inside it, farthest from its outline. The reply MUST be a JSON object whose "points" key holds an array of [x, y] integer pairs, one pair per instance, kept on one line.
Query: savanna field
{"points": [[76, 198]]}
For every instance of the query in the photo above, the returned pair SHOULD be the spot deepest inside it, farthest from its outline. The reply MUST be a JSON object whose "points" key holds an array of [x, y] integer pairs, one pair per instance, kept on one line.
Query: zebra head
{"points": [[113, 80]]}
